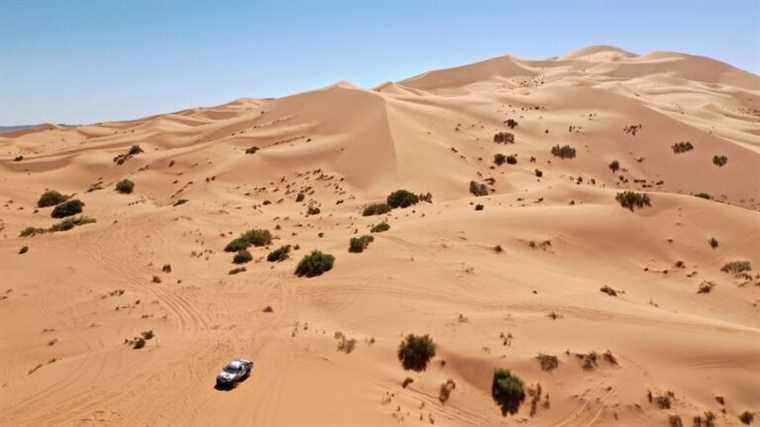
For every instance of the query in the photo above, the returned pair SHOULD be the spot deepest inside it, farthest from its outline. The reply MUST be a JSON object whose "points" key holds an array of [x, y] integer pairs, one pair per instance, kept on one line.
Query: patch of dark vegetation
{"points": [[313, 210], [499, 159], [415, 351], [479, 207], [251, 150], [280, 254], [736, 267], [253, 237], [705, 287], [67, 208], [133, 151], [359, 244], [23, 250], [609, 291], [69, 223], [662, 401], [444, 392], [682, 147], [705, 196], [402, 199], [31, 231], [548, 362], [563, 152], [633, 129], [720, 160], [18, 158], [237, 270], [614, 166], [180, 202], [379, 228], [511, 123], [242, 256], [300, 197], [746, 417], [125, 186], [314, 264], [508, 391], [478, 188], [632, 199], [504, 138], [538, 173], [713, 242], [376, 209], [51, 198]]}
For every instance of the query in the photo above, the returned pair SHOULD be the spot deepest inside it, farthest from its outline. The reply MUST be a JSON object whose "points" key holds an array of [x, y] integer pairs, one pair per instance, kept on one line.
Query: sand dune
{"points": [[634, 303]]}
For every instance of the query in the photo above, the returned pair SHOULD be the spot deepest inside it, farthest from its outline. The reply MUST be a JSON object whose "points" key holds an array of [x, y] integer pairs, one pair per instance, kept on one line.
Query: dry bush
{"points": [[445, 391], [548, 362]]}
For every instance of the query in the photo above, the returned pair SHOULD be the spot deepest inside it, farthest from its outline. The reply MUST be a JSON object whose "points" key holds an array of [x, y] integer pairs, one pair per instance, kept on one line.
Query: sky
{"points": [[77, 61]]}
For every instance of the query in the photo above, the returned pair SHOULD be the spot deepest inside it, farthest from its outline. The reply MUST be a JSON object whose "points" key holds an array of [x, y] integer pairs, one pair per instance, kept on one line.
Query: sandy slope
{"points": [[62, 354]]}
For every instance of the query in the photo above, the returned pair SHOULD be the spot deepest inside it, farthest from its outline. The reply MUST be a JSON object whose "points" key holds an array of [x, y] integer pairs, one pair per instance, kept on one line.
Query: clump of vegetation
{"points": [[713, 242], [69, 223], [445, 391], [538, 173], [315, 264], [251, 150], [615, 166], [253, 237], [133, 151], [736, 267], [682, 147], [237, 270], [563, 152], [504, 138], [313, 210], [376, 209], [720, 160], [548, 362], [51, 198], [478, 188], [379, 228], [402, 199], [632, 199], [511, 123], [746, 417], [703, 196], [300, 197], [415, 351], [345, 344], [507, 390], [499, 159], [359, 244], [31, 231], [280, 254], [242, 256], [23, 250], [608, 290], [180, 202], [125, 186], [705, 287], [67, 208]]}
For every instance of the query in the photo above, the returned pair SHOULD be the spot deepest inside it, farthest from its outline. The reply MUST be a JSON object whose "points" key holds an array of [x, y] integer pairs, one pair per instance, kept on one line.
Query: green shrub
{"points": [[125, 186], [69, 223], [682, 147], [735, 267], [379, 228], [242, 256], [415, 352], [315, 264], [280, 254], [376, 209], [507, 390], [402, 199], [478, 188], [253, 237], [720, 160], [67, 208], [563, 152], [631, 199], [50, 198], [615, 166], [359, 244]]}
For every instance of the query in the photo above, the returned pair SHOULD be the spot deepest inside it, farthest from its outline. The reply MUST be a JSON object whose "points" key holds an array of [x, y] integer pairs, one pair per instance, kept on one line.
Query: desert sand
{"points": [[495, 286]]}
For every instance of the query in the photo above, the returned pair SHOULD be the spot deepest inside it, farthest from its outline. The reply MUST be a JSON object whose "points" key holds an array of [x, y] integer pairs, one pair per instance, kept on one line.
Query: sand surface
{"points": [[68, 304]]}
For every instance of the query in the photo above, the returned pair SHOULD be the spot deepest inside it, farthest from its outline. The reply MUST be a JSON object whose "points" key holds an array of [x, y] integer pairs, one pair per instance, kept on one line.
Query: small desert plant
{"points": [[300, 197], [402, 199], [237, 270], [682, 147], [242, 256], [415, 351], [67, 208], [511, 123], [446, 389], [359, 244], [713, 242], [504, 138], [548, 362], [125, 186], [499, 159], [615, 166], [563, 152], [180, 202], [746, 417], [478, 188], [379, 228], [280, 254], [134, 150], [315, 264], [253, 237], [251, 150], [313, 210], [736, 267], [376, 209], [50, 198], [608, 290], [23, 250], [703, 196], [507, 390], [720, 160], [69, 223], [538, 173], [632, 199], [512, 159], [31, 231]]}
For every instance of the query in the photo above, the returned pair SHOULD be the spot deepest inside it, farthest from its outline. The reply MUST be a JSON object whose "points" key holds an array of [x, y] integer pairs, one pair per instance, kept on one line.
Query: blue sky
{"points": [[80, 61]]}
